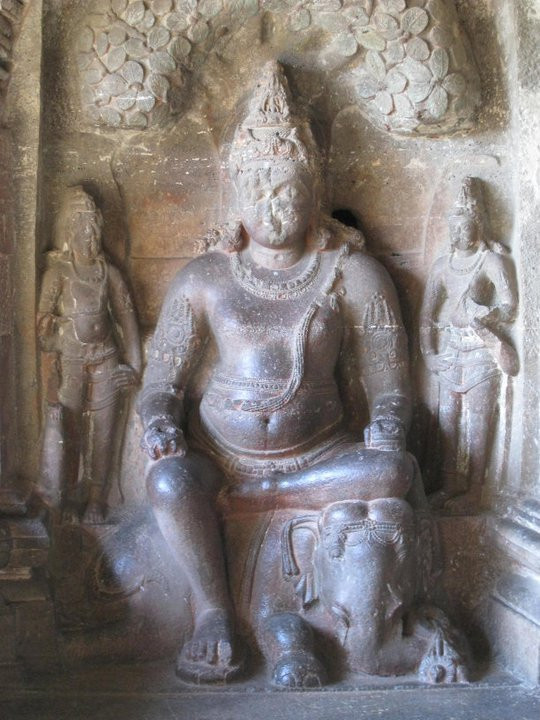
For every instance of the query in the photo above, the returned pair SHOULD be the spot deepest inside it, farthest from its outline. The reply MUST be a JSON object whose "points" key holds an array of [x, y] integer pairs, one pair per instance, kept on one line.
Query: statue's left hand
{"points": [[125, 376], [385, 434]]}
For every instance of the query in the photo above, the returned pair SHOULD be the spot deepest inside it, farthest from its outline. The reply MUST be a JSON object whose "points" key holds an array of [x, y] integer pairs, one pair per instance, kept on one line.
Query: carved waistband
{"points": [[269, 384]]}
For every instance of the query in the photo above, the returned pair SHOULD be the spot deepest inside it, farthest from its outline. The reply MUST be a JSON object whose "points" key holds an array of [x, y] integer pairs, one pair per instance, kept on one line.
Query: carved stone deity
{"points": [[86, 322], [470, 296], [295, 535]]}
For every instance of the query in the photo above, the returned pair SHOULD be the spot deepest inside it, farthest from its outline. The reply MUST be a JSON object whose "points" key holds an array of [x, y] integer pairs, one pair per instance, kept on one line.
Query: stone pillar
{"points": [[11, 497]]}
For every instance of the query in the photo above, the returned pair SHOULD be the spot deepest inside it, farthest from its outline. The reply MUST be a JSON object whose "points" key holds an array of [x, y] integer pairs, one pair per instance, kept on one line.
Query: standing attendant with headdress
{"points": [[471, 294], [86, 317]]}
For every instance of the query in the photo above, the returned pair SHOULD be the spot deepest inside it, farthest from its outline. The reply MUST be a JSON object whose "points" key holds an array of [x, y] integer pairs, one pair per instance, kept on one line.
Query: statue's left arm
{"points": [[375, 351], [123, 314]]}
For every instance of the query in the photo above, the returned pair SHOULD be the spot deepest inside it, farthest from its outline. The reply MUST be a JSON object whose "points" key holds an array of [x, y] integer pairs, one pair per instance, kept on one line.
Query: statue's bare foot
{"points": [[94, 514], [297, 671], [209, 655], [70, 516]]}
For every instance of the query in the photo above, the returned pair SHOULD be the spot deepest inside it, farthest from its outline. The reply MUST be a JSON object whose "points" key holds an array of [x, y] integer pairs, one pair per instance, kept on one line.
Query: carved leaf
{"points": [[210, 8], [180, 48], [375, 64], [158, 37], [114, 84], [162, 62], [394, 52], [414, 21], [393, 6], [84, 60], [415, 71], [117, 35], [383, 101], [85, 41], [94, 74], [102, 43], [110, 116], [439, 63], [403, 106], [367, 86], [133, 72], [135, 48], [118, 6], [438, 11], [437, 103], [134, 13], [454, 84], [176, 22], [332, 21], [199, 31], [395, 81], [417, 49], [115, 59], [126, 100], [300, 20], [370, 39], [149, 20], [137, 120], [158, 85], [145, 100], [345, 44], [440, 37], [386, 24], [98, 21], [160, 7], [418, 92], [357, 15]]}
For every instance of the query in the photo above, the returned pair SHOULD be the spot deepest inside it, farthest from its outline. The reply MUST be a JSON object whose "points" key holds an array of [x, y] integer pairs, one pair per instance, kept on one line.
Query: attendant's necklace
{"points": [[466, 269]]}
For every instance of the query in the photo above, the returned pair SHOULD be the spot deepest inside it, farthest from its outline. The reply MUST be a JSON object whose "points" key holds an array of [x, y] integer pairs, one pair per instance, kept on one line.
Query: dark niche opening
{"points": [[347, 217]]}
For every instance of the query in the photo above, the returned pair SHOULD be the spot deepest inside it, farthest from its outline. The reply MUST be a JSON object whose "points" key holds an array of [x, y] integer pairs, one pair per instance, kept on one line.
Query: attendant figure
{"points": [[87, 320], [470, 297]]}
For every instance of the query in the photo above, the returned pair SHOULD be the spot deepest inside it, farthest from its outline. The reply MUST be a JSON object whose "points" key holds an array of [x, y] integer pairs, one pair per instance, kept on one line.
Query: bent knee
{"points": [[169, 481], [395, 472]]}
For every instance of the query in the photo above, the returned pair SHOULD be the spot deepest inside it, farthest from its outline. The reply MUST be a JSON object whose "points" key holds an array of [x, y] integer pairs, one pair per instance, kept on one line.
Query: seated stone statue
{"points": [[318, 555]]}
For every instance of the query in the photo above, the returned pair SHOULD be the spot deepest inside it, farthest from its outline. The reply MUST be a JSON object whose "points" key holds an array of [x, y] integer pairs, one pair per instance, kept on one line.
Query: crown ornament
{"points": [[78, 200], [470, 200], [272, 130]]}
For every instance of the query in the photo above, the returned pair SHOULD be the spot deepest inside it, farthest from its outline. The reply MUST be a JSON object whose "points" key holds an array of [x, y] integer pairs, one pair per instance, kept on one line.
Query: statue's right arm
{"points": [[48, 301], [174, 350]]}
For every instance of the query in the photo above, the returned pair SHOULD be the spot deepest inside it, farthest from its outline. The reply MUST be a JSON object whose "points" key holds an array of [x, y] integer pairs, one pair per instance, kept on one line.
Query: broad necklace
{"points": [[95, 274], [269, 290], [466, 269]]}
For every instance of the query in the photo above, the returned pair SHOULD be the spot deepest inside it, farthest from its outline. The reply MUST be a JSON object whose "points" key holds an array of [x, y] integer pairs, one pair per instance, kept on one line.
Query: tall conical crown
{"points": [[470, 200], [272, 131]]}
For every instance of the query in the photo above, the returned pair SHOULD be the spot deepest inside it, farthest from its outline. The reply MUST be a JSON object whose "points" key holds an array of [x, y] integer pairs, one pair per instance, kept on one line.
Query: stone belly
{"points": [[308, 418]]}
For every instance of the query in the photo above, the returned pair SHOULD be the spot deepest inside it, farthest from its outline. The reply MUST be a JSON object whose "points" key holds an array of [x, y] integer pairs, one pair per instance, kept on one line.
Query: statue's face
{"points": [[276, 203], [463, 233], [85, 236]]}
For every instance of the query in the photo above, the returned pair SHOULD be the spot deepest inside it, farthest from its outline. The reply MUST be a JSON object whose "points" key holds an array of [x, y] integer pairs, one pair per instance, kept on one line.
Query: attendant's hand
{"points": [[385, 434], [437, 363], [163, 438]]}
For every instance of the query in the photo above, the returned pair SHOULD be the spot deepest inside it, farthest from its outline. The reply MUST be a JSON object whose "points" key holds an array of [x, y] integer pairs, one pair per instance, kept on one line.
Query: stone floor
{"points": [[151, 692]]}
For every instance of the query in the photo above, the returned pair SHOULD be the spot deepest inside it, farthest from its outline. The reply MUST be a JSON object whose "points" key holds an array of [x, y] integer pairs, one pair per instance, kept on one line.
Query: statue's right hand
{"points": [[163, 439]]}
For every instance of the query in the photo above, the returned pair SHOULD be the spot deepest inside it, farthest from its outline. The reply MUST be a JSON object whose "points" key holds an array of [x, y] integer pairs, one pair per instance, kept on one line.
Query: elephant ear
{"points": [[301, 572]]}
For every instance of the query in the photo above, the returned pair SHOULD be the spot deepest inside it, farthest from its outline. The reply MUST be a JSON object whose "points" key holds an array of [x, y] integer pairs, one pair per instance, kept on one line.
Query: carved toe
{"points": [[297, 671]]}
